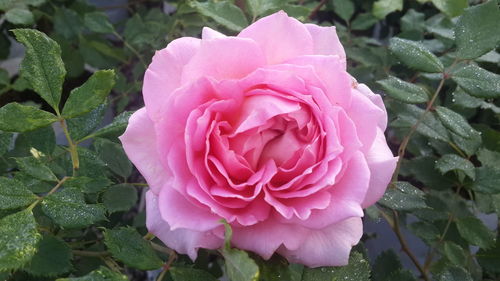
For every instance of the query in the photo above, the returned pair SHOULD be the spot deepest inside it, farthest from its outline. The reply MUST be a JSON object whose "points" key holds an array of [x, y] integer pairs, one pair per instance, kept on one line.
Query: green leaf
{"points": [[260, 7], [42, 66], [487, 179], [465, 100], [489, 158], [87, 184], [451, 162], [363, 21], [386, 263], [116, 128], [19, 16], [223, 12], [89, 95], [276, 268], [53, 258], [13, 194], [5, 141], [43, 140], [451, 8], [404, 197], [413, 20], [127, 246], [19, 238], [382, 8], [113, 155], [120, 197], [454, 274], [454, 253], [101, 274], [408, 115], [455, 122], [415, 55], [67, 22], [98, 22], [404, 91], [475, 232], [81, 126], [239, 266], [490, 259], [35, 168], [190, 274], [35, 185], [68, 209], [358, 269], [476, 31], [343, 8], [477, 81], [15, 117]]}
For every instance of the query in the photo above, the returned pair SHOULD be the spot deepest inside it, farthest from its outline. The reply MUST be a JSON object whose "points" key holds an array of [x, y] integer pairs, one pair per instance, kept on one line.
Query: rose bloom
{"points": [[266, 130]]}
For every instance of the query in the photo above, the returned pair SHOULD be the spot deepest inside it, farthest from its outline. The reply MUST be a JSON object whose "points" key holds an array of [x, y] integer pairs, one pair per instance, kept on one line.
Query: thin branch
{"points": [[406, 140], [394, 223], [316, 9]]}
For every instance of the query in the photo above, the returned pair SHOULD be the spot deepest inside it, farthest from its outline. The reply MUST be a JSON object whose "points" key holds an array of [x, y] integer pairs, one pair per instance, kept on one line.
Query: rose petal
{"points": [[382, 164], [224, 58], [139, 142], [181, 213], [163, 75], [326, 41], [329, 246], [208, 33], [266, 237], [183, 241], [280, 37], [377, 100]]}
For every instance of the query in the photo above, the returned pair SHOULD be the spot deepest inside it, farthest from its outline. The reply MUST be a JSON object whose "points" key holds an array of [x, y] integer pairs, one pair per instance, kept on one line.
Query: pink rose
{"points": [[266, 130]]}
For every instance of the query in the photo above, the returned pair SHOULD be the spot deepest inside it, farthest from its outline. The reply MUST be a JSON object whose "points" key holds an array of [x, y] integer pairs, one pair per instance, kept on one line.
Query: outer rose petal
{"points": [[382, 164], [266, 237], [326, 41], [224, 58], [181, 213], [183, 241], [139, 142], [208, 33], [163, 75], [329, 246], [377, 100], [280, 37]]}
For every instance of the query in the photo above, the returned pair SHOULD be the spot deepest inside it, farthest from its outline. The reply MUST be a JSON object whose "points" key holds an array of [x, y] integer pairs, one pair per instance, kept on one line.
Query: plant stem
{"points": [[394, 223], [428, 260], [73, 148], [162, 249], [131, 48], [316, 9], [406, 140], [54, 189]]}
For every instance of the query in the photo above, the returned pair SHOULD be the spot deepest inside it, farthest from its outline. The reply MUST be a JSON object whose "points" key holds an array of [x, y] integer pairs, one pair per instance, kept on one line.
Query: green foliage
{"points": [[19, 239], [42, 66], [415, 55], [358, 269], [478, 25], [223, 12], [239, 266], [100, 274], [127, 246], [89, 95], [24, 118], [120, 197], [437, 61], [53, 258], [68, 209], [189, 274], [403, 197], [404, 91], [13, 194]]}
